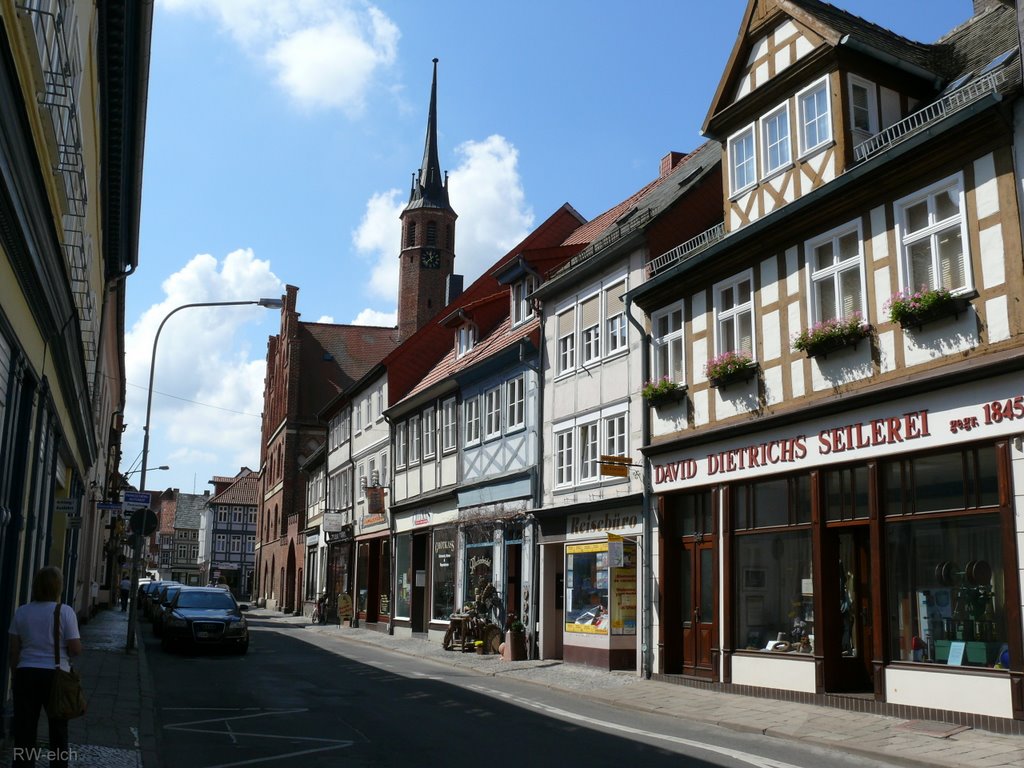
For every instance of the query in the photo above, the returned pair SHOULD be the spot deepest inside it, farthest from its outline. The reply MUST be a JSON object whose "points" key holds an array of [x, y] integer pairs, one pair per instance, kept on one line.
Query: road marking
{"points": [[745, 757], [251, 713]]}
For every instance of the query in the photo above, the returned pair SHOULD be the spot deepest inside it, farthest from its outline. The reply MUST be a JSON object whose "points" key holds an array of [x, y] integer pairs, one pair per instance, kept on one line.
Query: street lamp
{"points": [[137, 549]]}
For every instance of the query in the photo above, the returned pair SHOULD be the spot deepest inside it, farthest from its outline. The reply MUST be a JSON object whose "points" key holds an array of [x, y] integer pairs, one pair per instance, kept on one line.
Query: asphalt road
{"points": [[306, 700]]}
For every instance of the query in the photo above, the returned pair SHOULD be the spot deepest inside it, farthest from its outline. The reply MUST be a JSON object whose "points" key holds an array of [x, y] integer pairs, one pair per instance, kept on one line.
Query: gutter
{"points": [[893, 61]]}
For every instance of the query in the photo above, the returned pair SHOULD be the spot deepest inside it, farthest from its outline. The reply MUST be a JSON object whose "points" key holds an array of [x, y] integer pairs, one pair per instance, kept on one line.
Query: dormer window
{"points": [[863, 109], [742, 162], [465, 339], [522, 309]]}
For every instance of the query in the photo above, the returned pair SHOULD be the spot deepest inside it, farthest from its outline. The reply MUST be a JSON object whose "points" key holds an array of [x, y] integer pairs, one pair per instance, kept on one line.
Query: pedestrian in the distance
{"points": [[31, 659], [126, 588]]}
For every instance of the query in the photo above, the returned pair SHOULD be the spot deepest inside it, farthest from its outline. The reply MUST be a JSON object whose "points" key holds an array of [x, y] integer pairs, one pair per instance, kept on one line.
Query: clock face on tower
{"points": [[430, 258]]}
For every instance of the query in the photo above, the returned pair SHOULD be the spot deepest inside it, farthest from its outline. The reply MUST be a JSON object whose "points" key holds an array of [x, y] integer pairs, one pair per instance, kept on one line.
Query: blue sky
{"points": [[281, 140]]}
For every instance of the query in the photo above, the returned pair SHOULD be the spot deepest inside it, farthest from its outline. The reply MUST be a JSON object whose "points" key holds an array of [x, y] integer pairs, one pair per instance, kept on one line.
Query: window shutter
{"points": [[565, 323], [589, 312], [613, 300]]}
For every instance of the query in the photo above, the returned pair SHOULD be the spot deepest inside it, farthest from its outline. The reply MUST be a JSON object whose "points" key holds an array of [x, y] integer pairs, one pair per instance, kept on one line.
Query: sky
{"points": [[281, 140]]}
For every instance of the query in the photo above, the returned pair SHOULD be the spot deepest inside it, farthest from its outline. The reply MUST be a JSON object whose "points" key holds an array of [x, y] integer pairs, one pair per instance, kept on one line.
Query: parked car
{"points": [[146, 596], [153, 595], [205, 616], [163, 603]]}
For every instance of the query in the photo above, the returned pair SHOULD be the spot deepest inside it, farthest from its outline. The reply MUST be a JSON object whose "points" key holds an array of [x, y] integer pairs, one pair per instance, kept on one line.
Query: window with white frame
{"points": [[358, 417], [863, 108], [381, 401], [590, 329], [236, 516], [615, 318], [775, 149], [566, 324], [667, 340], [429, 435], [615, 435], [742, 161], [414, 439], [368, 407], [522, 309], [250, 544], [361, 480], [401, 445], [345, 498], [236, 543], [564, 458], [515, 403], [220, 542], [182, 551], [933, 233], [472, 420], [251, 517], [222, 515], [589, 452], [465, 338], [449, 425], [371, 472], [734, 314], [815, 116], [836, 274], [193, 552], [384, 477], [492, 412]]}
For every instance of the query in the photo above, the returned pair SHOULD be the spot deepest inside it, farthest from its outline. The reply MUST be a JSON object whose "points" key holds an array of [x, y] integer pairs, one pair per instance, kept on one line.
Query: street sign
{"points": [[74, 521], [67, 506], [136, 500], [615, 466], [110, 506]]}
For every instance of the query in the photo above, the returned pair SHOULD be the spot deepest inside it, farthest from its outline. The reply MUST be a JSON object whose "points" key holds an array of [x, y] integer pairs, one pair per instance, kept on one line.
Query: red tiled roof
{"points": [[336, 356], [242, 491]]}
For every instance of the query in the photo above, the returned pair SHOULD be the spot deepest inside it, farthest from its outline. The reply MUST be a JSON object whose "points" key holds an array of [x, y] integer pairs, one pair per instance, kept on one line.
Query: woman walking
{"points": [[32, 666]]}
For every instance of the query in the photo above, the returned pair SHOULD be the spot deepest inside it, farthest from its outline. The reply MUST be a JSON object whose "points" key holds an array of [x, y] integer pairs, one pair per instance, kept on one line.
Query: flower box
{"points": [[832, 335], [913, 309], [730, 368], [663, 392]]}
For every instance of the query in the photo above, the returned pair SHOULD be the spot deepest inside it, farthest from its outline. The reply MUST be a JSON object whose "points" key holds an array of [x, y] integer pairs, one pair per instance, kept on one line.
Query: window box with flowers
{"points": [[912, 309], [831, 335], [730, 368], [662, 392]]}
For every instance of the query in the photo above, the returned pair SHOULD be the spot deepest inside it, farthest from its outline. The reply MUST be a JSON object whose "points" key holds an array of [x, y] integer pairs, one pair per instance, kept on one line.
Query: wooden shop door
{"points": [[698, 597]]}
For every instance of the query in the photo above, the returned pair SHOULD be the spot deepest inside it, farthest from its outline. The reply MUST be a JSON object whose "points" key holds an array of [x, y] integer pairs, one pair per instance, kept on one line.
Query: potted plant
{"points": [[831, 335], [515, 640], [663, 391], [729, 368], [912, 309]]}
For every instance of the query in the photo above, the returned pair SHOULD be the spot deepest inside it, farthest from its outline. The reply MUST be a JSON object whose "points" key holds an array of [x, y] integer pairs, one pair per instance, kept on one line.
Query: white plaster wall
{"points": [[700, 408], [986, 189], [879, 234], [772, 386], [882, 294], [667, 419], [768, 671], [803, 47], [795, 321], [842, 367], [796, 375], [890, 107], [960, 693], [993, 260], [997, 318], [769, 281], [698, 310], [887, 351], [939, 339], [792, 271], [735, 399], [771, 341], [701, 354]]}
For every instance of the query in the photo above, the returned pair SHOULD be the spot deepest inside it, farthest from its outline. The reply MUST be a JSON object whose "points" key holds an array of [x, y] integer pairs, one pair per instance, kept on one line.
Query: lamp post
{"points": [[137, 538]]}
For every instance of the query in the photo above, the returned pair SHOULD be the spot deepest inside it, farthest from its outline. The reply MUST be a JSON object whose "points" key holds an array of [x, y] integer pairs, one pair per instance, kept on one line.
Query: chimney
{"points": [[671, 160], [452, 288], [980, 6]]}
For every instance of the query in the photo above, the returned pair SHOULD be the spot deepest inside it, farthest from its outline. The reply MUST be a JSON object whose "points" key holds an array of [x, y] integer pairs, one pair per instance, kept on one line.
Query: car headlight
{"points": [[175, 621]]}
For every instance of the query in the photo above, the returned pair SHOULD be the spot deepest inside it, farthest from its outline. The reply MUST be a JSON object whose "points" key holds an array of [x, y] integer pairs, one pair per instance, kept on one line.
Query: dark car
{"points": [[153, 595], [146, 592], [205, 616], [162, 605]]}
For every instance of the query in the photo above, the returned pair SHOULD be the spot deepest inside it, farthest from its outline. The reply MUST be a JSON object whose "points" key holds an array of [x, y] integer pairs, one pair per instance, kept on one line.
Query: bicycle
{"points": [[320, 611]]}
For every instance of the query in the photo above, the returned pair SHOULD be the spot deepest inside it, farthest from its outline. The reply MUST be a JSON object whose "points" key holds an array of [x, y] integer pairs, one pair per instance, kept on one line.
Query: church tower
{"points": [[427, 257]]}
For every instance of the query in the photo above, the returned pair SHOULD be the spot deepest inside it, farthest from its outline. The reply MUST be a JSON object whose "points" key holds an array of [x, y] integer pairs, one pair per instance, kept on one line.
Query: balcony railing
{"points": [[915, 123], [685, 250], [619, 232]]}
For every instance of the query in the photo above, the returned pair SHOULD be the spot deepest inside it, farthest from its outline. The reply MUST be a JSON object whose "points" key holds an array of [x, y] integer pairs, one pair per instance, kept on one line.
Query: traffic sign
{"points": [[67, 506], [110, 506], [143, 521], [136, 499]]}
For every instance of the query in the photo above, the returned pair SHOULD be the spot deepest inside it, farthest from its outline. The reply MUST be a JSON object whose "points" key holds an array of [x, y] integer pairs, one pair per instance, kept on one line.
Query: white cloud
{"points": [[323, 53], [373, 317], [210, 364], [487, 193], [327, 319]]}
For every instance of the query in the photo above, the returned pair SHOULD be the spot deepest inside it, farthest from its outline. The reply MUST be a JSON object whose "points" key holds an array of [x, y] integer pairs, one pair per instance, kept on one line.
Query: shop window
{"points": [[846, 494], [600, 588], [933, 231], [947, 592], [384, 577], [774, 595], [479, 563], [403, 575], [941, 482], [362, 576], [443, 574], [771, 503]]}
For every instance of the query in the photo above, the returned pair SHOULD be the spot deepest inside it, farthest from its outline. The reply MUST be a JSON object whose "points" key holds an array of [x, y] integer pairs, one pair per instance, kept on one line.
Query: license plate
{"points": [[202, 634]]}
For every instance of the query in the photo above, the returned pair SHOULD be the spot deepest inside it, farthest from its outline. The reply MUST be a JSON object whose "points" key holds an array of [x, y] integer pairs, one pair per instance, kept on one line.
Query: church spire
{"points": [[430, 189]]}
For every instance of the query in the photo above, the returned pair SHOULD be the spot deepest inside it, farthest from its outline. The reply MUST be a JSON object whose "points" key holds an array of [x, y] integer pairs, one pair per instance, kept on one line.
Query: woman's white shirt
{"points": [[33, 624]]}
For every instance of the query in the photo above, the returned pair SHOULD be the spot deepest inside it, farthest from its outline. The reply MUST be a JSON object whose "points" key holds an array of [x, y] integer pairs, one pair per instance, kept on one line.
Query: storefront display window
{"points": [[947, 593], [770, 503], [385, 577], [479, 561], [444, 573], [774, 593], [600, 588], [403, 575], [362, 576], [942, 482]]}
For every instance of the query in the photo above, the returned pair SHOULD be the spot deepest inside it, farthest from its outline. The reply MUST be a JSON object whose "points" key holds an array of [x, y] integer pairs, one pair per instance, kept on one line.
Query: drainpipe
{"points": [[533, 650], [645, 551]]}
